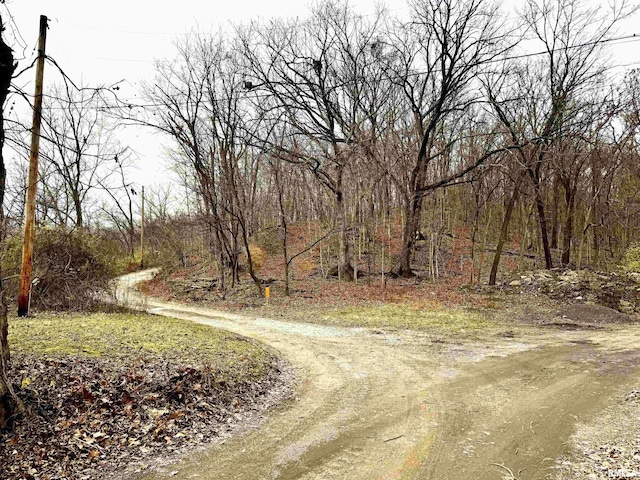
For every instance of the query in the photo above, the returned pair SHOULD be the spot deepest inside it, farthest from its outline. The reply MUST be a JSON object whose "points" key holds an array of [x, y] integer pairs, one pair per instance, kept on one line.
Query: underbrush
{"points": [[71, 269], [105, 391], [447, 305], [631, 260]]}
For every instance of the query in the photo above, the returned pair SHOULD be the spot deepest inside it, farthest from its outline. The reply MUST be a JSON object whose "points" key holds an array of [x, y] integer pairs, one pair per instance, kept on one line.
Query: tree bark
{"points": [[283, 222], [504, 232], [542, 219], [567, 237], [555, 201], [252, 272], [597, 219], [414, 212], [345, 270], [10, 404], [77, 206]]}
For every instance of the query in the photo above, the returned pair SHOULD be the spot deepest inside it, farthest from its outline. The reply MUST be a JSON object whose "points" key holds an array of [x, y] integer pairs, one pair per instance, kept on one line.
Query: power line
{"points": [[629, 39], [621, 39], [111, 30], [128, 103], [131, 60]]}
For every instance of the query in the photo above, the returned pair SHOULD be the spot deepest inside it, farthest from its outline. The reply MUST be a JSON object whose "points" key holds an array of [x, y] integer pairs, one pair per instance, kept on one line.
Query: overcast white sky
{"points": [[105, 42]]}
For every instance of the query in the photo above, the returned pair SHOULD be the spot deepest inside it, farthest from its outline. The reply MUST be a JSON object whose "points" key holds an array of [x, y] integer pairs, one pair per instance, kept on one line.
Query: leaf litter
{"points": [[94, 416], [607, 447]]}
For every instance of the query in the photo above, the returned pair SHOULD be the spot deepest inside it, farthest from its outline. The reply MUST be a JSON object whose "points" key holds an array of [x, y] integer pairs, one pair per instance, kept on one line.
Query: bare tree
{"points": [[313, 79], [77, 142], [548, 97], [438, 55], [9, 402], [201, 105], [121, 209]]}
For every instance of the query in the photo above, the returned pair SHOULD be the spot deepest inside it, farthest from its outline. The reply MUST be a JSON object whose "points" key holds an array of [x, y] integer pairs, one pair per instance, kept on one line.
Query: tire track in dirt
{"points": [[511, 419], [388, 407], [357, 412]]}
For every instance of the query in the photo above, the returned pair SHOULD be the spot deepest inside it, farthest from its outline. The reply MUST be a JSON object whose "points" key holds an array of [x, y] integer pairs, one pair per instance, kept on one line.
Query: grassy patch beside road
{"points": [[407, 317], [130, 336], [105, 392]]}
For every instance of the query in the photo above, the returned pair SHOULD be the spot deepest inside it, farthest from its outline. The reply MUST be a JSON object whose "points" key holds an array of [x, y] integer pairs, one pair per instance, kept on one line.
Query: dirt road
{"points": [[380, 405]]}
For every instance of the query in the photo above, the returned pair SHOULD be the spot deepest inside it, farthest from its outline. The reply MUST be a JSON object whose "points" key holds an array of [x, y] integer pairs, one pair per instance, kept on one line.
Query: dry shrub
{"points": [[71, 270], [631, 259], [269, 240], [307, 266], [258, 256]]}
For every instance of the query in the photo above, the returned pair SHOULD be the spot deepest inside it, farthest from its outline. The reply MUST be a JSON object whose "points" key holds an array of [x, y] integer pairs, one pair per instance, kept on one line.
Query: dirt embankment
{"points": [[610, 290]]}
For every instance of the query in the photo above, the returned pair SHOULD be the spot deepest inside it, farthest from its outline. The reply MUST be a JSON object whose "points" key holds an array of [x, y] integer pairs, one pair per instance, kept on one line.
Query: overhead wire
{"points": [[621, 39], [131, 103], [628, 38]]}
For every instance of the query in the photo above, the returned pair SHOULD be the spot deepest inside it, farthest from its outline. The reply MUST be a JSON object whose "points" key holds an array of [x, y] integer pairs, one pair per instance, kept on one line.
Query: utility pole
{"points": [[142, 233], [32, 182]]}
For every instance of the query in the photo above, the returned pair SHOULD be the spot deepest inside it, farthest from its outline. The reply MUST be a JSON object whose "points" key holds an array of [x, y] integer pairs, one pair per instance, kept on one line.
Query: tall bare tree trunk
{"points": [[414, 211], [77, 206], [252, 271], [504, 232], [542, 218], [555, 207], [10, 405], [345, 270], [276, 166], [567, 236], [597, 220]]}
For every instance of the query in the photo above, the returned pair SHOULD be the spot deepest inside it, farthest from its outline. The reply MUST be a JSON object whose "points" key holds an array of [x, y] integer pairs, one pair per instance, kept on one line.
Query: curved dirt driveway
{"points": [[376, 405]]}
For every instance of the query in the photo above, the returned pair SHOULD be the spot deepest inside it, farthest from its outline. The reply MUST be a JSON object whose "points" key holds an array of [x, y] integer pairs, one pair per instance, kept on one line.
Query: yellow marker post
{"points": [[267, 293]]}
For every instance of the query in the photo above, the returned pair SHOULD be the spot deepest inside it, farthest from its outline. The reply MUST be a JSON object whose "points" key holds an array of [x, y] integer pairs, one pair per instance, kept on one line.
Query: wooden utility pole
{"points": [[142, 233], [32, 182]]}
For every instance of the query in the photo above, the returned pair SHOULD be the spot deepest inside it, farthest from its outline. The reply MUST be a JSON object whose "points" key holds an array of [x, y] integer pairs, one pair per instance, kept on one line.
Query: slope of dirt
{"points": [[406, 405]]}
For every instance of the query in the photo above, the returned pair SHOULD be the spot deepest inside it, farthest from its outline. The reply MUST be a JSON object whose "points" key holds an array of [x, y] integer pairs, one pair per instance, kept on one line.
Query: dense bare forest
{"points": [[508, 132], [369, 129]]}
